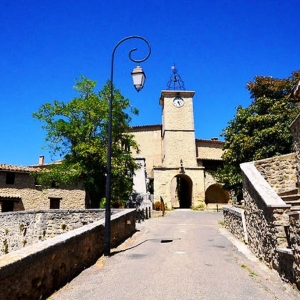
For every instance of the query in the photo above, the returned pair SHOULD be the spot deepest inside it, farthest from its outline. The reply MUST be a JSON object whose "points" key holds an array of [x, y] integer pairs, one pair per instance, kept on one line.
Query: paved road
{"points": [[185, 255]]}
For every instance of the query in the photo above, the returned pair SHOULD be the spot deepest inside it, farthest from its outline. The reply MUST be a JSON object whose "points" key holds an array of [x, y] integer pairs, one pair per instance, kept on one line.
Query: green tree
{"points": [[261, 130], [77, 133]]}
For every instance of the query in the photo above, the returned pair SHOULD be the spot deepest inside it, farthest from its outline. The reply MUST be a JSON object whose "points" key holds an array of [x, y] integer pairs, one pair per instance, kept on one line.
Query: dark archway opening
{"points": [[216, 194], [184, 191]]}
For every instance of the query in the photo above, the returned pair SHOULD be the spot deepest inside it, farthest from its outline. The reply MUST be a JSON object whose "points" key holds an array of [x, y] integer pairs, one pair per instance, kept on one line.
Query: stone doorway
{"points": [[181, 191]]}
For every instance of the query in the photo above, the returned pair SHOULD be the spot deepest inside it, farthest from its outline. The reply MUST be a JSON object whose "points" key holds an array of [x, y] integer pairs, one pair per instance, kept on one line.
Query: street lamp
{"points": [[138, 77]]}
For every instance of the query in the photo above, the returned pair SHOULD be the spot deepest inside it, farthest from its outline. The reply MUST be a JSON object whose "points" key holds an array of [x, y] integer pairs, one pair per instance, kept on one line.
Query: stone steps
{"points": [[289, 192], [291, 197]]}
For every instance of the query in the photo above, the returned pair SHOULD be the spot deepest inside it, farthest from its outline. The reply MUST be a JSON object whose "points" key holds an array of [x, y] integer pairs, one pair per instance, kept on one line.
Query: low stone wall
{"points": [[21, 229], [294, 230], [234, 221], [269, 222], [265, 214], [279, 171], [36, 271]]}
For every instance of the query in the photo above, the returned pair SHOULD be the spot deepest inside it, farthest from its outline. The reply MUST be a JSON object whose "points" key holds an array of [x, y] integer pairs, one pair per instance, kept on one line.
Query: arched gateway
{"points": [[181, 191], [216, 194]]}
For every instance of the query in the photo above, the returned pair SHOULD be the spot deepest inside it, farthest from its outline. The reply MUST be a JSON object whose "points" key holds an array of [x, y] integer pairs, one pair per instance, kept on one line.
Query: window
{"points": [[7, 206], [126, 146], [10, 178], [55, 203]]}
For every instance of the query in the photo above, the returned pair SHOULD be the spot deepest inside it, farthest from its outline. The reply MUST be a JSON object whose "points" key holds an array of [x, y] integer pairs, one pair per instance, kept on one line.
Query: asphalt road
{"points": [[184, 255]]}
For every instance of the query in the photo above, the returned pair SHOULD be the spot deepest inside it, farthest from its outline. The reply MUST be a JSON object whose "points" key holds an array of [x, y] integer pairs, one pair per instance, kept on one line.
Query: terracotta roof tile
{"points": [[9, 195], [5, 167]]}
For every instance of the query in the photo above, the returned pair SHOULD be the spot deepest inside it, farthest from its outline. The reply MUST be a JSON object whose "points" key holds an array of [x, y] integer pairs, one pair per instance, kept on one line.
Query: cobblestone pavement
{"points": [[184, 255]]}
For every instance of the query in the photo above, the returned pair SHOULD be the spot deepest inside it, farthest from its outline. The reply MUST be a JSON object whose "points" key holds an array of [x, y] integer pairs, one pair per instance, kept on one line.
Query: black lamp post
{"points": [[138, 77]]}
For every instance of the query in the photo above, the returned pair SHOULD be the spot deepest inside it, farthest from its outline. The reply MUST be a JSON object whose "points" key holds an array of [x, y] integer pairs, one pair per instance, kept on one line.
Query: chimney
{"points": [[214, 139], [41, 159]]}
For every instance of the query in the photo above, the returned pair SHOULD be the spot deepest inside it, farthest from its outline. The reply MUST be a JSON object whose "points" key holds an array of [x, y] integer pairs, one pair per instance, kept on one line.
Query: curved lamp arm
{"points": [[109, 140]]}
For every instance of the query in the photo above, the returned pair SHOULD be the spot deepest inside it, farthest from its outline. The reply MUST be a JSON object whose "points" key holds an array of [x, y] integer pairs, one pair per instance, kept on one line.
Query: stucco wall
{"points": [[36, 271], [149, 140], [279, 171], [209, 149], [29, 196]]}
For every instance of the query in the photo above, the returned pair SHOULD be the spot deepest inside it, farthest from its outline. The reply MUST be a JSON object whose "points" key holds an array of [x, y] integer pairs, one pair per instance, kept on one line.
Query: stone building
{"points": [[178, 164], [19, 191]]}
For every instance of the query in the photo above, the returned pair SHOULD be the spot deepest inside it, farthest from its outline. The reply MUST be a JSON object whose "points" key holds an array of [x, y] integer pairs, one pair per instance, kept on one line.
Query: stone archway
{"points": [[181, 191], [216, 194]]}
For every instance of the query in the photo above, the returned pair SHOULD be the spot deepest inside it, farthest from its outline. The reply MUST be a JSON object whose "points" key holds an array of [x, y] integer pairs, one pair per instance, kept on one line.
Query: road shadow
{"points": [[162, 241]]}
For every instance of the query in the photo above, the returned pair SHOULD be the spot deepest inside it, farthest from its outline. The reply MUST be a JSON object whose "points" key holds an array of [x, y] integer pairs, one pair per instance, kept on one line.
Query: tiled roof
{"points": [[156, 126], [210, 141], [210, 158], [11, 168], [9, 195]]}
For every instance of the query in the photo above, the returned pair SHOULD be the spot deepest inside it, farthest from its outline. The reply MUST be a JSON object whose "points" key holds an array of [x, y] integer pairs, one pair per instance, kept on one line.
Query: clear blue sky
{"points": [[218, 46]]}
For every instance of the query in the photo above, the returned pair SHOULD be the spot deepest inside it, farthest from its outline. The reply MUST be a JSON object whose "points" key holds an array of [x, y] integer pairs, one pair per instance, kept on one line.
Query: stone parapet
{"points": [[36, 271], [273, 231], [234, 221], [294, 231], [265, 215], [21, 229]]}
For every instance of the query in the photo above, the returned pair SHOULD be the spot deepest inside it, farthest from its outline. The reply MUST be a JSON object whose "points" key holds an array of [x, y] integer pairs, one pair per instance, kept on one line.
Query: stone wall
{"points": [[20, 229], [163, 185], [36, 271], [273, 231], [294, 231], [279, 171], [265, 215], [26, 195], [234, 221], [295, 128]]}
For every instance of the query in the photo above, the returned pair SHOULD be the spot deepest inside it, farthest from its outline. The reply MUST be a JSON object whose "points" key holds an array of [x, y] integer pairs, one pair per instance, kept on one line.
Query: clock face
{"points": [[178, 102]]}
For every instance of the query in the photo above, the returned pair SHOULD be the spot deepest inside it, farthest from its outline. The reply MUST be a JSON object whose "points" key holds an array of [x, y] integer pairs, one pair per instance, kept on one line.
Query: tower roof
{"points": [[175, 82]]}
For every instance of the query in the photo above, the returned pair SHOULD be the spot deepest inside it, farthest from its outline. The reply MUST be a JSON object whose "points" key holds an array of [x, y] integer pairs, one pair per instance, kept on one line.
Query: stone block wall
{"points": [[36, 271], [26, 195], [279, 171], [234, 222], [294, 230], [265, 227], [273, 231], [295, 128], [21, 229]]}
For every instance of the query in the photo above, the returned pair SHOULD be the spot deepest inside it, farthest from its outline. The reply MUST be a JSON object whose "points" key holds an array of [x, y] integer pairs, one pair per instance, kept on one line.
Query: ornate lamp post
{"points": [[138, 77]]}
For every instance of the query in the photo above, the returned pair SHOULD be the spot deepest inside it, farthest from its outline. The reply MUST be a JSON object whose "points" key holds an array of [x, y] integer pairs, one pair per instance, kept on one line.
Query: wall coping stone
{"points": [[235, 210], [263, 188], [287, 251], [8, 261]]}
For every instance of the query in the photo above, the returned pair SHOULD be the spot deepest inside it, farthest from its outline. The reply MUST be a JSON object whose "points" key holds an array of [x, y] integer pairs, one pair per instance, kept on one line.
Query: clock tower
{"points": [[179, 181], [178, 130]]}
